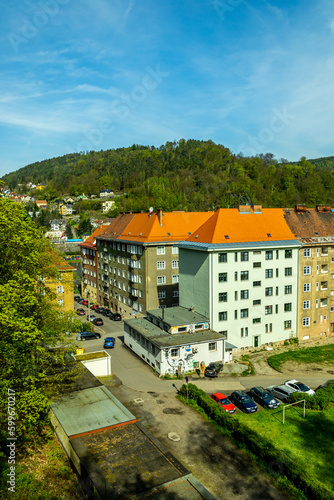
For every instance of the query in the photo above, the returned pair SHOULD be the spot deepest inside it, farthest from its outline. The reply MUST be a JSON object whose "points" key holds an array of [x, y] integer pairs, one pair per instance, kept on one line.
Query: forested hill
{"points": [[183, 175]]}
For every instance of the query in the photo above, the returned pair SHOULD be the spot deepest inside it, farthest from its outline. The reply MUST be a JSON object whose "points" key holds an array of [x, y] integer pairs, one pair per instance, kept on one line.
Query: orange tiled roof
{"points": [[90, 241], [229, 225], [156, 226]]}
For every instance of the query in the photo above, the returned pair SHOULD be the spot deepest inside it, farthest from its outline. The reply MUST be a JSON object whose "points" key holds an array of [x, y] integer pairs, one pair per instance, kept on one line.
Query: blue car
{"points": [[109, 342], [243, 402]]}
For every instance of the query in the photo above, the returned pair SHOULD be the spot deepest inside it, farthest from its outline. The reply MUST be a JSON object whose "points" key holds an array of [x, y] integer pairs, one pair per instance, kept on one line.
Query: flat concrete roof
{"points": [[178, 315], [90, 410], [129, 462], [164, 339]]}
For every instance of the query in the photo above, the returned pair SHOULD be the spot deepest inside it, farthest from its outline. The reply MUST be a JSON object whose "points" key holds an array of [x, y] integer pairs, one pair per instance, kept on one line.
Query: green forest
{"points": [[184, 175]]}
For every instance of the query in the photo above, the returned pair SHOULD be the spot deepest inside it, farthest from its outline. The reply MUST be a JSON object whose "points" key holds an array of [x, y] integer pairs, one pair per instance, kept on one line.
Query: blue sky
{"points": [[78, 75]]}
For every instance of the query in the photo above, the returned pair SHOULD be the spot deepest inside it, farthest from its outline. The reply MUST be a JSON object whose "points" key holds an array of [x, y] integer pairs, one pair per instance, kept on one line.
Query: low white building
{"points": [[175, 340], [106, 206]]}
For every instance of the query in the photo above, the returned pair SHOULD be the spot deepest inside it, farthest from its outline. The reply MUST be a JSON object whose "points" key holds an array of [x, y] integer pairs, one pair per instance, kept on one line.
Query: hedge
{"points": [[259, 445], [320, 401]]}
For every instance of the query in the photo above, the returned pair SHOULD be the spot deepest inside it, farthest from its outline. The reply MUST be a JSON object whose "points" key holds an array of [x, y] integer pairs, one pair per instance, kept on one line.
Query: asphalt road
{"points": [[137, 375]]}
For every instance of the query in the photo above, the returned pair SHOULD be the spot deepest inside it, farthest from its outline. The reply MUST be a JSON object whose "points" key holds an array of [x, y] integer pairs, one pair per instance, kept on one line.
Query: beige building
{"points": [[138, 262], [314, 228]]}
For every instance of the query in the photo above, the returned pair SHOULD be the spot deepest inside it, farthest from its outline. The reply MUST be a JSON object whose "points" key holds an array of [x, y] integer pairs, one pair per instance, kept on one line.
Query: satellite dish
{"points": [[151, 209]]}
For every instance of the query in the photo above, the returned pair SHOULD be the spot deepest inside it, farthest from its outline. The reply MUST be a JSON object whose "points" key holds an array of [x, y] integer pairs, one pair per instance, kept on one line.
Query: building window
{"points": [[235, 275], [222, 277], [306, 321], [288, 271], [212, 346], [256, 283], [161, 264], [307, 287], [244, 275], [268, 291], [256, 264], [244, 256], [288, 253], [306, 304], [287, 289], [161, 280], [269, 254], [243, 313], [268, 273], [307, 269], [244, 332], [60, 289], [287, 325], [307, 252], [174, 353], [175, 249], [235, 256], [244, 294], [323, 302], [257, 302], [288, 307], [175, 278], [324, 268], [324, 251], [222, 297], [175, 264], [268, 328], [162, 294], [256, 320], [60, 302], [222, 257], [268, 310], [160, 250], [223, 316], [175, 293]]}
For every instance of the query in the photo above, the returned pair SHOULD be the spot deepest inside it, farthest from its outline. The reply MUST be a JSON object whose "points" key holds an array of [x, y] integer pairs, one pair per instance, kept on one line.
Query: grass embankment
{"points": [[298, 453], [321, 355], [308, 442]]}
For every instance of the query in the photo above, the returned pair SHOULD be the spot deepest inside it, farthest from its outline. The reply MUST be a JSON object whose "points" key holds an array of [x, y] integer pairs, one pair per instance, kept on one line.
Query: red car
{"points": [[85, 303], [223, 401], [81, 312], [95, 306]]}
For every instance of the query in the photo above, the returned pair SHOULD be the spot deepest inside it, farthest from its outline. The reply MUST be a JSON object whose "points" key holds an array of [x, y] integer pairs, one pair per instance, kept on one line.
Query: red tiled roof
{"points": [[229, 225], [310, 223]]}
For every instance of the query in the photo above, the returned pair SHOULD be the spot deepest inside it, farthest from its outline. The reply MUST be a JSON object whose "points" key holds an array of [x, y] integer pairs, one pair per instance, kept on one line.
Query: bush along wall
{"points": [[257, 444], [320, 401]]}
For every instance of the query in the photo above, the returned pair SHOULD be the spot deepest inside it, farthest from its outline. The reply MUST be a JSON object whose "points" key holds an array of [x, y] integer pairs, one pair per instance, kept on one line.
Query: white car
{"points": [[299, 387]]}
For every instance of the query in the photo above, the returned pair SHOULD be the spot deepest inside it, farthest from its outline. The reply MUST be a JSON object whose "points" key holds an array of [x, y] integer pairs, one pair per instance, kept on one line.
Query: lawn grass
{"points": [[307, 441], [321, 354]]}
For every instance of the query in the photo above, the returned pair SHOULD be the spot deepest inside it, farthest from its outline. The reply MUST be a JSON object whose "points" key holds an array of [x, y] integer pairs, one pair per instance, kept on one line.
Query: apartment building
{"points": [[62, 285], [314, 228], [240, 269], [89, 274], [138, 262]]}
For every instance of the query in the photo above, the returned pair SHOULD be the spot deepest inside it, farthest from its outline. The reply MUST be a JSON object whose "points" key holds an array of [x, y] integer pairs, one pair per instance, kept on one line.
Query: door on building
{"points": [[256, 341]]}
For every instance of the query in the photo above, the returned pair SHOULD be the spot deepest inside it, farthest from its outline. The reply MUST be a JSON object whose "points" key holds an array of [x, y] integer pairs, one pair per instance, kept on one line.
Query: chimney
{"points": [[159, 214], [323, 208], [300, 208]]}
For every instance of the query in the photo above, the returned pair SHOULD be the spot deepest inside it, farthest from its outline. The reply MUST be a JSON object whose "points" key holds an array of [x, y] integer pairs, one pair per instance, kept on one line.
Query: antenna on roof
{"points": [[151, 209]]}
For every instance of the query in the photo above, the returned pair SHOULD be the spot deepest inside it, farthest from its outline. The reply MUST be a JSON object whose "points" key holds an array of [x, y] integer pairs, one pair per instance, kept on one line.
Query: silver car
{"points": [[282, 392], [299, 387]]}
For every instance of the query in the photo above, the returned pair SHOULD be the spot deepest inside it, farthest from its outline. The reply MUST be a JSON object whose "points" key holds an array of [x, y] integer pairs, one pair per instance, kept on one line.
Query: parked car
{"points": [[213, 369], [282, 392], [91, 317], [243, 402], [116, 317], [104, 311], [80, 300], [299, 387], [77, 297], [109, 314], [88, 336], [94, 306], [84, 302], [109, 342], [223, 401], [98, 321], [81, 312], [263, 397], [99, 310]]}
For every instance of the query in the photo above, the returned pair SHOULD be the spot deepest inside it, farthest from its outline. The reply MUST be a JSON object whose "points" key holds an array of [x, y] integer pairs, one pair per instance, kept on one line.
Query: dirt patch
{"points": [[221, 467]]}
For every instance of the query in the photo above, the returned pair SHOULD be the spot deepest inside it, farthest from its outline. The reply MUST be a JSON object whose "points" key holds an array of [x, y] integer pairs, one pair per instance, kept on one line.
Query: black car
{"points": [[213, 369], [99, 310], [243, 402], [88, 336], [116, 317], [264, 397], [98, 321], [109, 314]]}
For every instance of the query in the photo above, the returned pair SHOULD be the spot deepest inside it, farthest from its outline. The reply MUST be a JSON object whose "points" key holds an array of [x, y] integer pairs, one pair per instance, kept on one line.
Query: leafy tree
{"points": [[30, 326]]}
